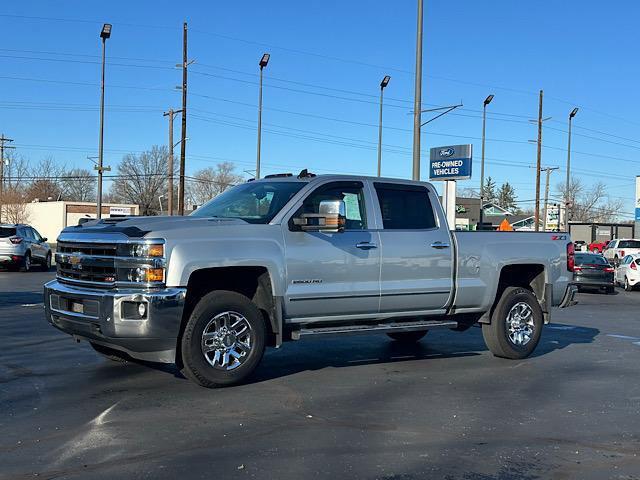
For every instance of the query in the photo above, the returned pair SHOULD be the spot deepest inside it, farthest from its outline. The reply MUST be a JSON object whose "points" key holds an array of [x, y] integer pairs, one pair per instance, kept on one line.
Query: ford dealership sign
{"points": [[450, 163]]}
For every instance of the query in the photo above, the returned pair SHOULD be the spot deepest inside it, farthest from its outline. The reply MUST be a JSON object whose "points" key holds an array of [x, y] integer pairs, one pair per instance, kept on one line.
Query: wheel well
{"points": [[252, 282], [527, 275]]}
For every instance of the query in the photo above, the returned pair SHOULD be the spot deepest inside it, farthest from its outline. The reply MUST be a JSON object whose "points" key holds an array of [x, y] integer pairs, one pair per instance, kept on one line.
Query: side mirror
{"points": [[44, 239], [330, 218]]}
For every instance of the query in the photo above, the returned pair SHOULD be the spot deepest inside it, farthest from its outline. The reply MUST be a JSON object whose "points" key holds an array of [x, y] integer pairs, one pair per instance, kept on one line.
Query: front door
{"points": [[331, 274], [417, 255]]}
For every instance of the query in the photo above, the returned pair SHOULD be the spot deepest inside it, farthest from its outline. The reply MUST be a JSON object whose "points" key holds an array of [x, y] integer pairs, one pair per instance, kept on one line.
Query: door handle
{"points": [[366, 245], [439, 245]]}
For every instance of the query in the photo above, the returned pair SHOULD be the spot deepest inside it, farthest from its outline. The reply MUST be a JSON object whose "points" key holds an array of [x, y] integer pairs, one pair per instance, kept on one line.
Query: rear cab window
{"points": [[6, 232], [405, 207], [629, 244]]}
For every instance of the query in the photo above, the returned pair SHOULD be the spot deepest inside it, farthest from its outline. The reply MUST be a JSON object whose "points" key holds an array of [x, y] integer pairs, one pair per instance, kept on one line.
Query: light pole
{"points": [[417, 99], [567, 185], [383, 83], [487, 101], [104, 34], [263, 63]]}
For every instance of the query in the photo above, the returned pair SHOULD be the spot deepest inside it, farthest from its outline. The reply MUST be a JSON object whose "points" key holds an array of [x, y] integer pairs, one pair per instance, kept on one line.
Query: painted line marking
{"points": [[623, 337], [561, 327], [32, 304]]}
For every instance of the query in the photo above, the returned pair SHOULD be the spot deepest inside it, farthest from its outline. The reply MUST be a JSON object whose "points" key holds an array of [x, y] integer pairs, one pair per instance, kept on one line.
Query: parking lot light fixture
{"points": [[486, 102], [263, 63], [567, 200], [383, 84], [104, 35]]}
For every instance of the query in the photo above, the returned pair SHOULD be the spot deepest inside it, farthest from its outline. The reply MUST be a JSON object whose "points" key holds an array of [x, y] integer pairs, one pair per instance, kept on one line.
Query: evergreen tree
{"points": [[506, 197], [489, 191]]}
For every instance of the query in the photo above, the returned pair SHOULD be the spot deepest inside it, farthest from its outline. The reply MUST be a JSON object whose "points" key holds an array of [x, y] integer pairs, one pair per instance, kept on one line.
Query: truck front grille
{"points": [[86, 263]]}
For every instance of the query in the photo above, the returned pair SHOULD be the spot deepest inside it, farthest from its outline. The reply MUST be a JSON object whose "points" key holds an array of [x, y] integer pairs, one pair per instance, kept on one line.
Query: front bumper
{"points": [[569, 296], [98, 316]]}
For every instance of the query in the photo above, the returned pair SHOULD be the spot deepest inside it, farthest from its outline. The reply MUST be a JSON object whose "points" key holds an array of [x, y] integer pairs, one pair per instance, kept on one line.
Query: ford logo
{"points": [[446, 152]]}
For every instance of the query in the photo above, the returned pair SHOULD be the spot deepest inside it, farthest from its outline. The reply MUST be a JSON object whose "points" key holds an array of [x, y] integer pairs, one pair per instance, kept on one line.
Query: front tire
{"points": [[627, 285], [223, 341], [516, 324], [46, 266], [407, 337]]}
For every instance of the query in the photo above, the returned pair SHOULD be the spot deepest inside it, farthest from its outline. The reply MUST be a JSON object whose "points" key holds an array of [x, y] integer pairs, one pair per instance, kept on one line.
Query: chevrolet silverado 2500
{"points": [[282, 258]]}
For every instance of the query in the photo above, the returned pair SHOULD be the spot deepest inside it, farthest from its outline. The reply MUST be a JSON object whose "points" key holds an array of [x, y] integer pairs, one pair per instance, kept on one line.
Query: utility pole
{"points": [[536, 217], [170, 114], [3, 140], [383, 83], [417, 100], [548, 171], [183, 146]]}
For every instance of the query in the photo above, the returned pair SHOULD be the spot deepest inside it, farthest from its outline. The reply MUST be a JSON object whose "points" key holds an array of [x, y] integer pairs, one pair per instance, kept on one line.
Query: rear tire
{"points": [[46, 266], [610, 290], [26, 263], [223, 341], [516, 324], [407, 337], [110, 353]]}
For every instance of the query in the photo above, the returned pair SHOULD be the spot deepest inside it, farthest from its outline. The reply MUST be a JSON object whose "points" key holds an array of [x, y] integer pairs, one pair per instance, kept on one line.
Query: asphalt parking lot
{"points": [[353, 407]]}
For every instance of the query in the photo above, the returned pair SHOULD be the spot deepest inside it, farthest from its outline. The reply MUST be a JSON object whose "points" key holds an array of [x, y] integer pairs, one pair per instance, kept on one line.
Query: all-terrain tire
{"points": [[196, 366], [407, 337], [496, 334]]}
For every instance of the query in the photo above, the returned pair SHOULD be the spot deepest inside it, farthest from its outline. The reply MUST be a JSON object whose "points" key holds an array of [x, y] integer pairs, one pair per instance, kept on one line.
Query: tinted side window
{"points": [[351, 193], [405, 207], [36, 235]]}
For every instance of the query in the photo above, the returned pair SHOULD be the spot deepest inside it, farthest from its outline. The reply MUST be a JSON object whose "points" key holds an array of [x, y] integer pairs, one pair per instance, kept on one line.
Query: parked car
{"points": [[597, 247], [592, 271], [628, 272], [21, 246], [617, 249], [580, 245], [285, 258]]}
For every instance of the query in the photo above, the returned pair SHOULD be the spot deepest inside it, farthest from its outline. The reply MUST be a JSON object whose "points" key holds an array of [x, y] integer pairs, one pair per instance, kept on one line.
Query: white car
{"points": [[619, 248], [628, 272]]}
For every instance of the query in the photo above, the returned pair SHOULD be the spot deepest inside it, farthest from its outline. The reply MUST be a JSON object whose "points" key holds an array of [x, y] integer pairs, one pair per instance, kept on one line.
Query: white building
{"points": [[49, 218]]}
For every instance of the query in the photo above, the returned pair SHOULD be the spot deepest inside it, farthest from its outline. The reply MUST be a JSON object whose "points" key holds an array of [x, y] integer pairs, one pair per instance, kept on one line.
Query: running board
{"points": [[379, 328]]}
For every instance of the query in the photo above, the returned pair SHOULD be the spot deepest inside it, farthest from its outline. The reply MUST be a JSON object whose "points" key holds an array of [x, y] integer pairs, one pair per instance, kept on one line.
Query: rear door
{"points": [[6, 247], [417, 255], [333, 274]]}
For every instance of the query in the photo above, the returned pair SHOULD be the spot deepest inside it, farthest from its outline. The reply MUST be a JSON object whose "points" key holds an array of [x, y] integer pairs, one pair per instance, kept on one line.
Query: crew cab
{"points": [[287, 257]]}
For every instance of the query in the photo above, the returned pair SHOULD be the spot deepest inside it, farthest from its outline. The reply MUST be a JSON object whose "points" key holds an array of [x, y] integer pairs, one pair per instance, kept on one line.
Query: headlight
{"points": [[147, 250]]}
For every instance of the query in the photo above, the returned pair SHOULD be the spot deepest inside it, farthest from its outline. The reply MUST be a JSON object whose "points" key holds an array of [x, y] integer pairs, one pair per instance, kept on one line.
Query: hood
{"points": [[137, 227]]}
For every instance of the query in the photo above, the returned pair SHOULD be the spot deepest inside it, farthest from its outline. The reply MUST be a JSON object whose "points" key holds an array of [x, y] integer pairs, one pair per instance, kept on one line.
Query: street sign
{"points": [[450, 163]]}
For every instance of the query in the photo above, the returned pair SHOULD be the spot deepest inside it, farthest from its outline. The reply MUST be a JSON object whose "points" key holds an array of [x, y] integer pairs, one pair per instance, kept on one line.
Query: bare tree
{"points": [[15, 170], [142, 179], [14, 206], [212, 181], [590, 204], [79, 184], [46, 182]]}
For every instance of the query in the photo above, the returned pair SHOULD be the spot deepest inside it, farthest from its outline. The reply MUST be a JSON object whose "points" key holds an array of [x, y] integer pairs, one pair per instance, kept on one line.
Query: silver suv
{"points": [[21, 246]]}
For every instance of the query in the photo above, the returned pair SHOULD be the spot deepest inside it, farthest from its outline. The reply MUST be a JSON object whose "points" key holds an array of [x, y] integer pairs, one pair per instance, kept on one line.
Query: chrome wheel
{"points": [[226, 341], [520, 324]]}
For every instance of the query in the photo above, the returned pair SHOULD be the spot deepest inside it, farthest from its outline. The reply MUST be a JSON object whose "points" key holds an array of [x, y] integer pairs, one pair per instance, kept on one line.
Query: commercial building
{"points": [[49, 218]]}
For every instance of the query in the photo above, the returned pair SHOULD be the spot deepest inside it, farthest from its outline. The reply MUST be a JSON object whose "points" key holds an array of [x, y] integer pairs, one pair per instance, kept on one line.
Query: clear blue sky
{"points": [[582, 53]]}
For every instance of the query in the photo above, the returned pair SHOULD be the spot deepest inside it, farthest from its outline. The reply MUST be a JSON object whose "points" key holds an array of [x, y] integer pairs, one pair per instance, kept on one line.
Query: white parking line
{"points": [[32, 304]]}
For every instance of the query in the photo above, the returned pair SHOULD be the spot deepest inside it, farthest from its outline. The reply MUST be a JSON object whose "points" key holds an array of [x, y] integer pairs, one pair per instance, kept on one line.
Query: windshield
{"points": [[629, 244], [582, 259], [253, 202]]}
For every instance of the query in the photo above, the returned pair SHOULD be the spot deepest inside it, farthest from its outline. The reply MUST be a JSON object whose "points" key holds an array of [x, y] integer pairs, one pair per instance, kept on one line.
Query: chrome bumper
{"points": [[100, 317], [569, 295]]}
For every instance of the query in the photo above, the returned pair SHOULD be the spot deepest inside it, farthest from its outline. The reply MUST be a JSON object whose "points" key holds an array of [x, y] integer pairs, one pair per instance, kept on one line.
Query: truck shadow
{"points": [[353, 351]]}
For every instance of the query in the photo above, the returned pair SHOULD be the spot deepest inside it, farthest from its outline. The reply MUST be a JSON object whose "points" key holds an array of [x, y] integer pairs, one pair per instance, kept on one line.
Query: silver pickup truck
{"points": [[286, 257]]}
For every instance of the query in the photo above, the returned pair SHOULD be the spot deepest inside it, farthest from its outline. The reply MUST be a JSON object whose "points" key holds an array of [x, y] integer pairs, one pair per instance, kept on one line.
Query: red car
{"points": [[597, 247]]}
